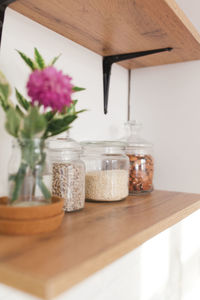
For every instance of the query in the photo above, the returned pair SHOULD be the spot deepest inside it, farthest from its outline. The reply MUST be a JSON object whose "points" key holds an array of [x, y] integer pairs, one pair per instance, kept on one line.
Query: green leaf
{"points": [[55, 60], [71, 109], [74, 102], [12, 122], [49, 115], [57, 126], [77, 89], [4, 91], [27, 60], [34, 123], [81, 111], [58, 131], [4, 104], [61, 122], [21, 100], [4, 94], [39, 59], [21, 114]]}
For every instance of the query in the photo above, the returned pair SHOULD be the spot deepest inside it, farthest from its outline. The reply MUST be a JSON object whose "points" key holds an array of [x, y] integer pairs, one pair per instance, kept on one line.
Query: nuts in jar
{"points": [[140, 156], [141, 173]]}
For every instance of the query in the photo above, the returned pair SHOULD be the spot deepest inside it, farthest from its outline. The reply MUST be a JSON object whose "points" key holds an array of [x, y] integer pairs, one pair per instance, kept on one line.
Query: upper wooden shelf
{"points": [[49, 264], [119, 26]]}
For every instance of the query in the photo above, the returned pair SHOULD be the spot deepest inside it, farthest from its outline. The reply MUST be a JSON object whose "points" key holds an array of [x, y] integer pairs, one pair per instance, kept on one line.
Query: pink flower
{"points": [[50, 88]]}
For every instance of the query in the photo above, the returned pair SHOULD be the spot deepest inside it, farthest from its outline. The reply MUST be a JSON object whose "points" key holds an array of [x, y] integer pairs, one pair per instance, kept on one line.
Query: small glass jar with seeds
{"points": [[67, 172], [107, 171]]}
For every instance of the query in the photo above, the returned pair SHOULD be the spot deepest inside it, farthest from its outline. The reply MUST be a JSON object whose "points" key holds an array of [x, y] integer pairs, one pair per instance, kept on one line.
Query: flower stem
{"points": [[44, 189], [18, 181]]}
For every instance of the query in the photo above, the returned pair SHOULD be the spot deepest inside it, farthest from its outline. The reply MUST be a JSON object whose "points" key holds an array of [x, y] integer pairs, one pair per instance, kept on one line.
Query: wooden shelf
{"points": [[116, 26], [87, 241]]}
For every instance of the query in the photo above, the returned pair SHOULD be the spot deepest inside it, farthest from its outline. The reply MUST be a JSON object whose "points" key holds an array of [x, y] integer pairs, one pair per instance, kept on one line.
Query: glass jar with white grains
{"points": [[67, 172], [107, 170]]}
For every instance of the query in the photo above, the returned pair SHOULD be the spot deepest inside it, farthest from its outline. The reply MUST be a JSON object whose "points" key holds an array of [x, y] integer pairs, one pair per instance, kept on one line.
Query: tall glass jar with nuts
{"points": [[67, 172], [139, 152]]}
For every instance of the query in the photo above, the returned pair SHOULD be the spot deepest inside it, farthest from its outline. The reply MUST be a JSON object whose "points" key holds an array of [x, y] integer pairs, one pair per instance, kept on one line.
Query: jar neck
{"points": [[63, 155], [139, 151], [104, 147], [133, 129], [103, 152]]}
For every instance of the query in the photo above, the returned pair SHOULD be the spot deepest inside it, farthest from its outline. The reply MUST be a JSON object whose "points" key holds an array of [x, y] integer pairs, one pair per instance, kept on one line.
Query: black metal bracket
{"points": [[3, 5], [109, 60]]}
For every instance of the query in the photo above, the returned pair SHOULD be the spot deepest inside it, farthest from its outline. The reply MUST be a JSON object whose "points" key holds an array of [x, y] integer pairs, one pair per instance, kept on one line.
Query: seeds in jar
{"points": [[68, 182], [141, 173], [106, 185]]}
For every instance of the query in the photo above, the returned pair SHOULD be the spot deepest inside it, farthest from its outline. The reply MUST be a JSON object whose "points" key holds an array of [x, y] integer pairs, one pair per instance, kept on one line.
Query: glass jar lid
{"points": [[132, 137], [107, 147], [64, 145]]}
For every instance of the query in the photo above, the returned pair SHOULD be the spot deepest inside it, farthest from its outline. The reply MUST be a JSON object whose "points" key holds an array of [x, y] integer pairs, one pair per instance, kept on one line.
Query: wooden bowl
{"points": [[31, 212], [30, 220], [29, 227]]}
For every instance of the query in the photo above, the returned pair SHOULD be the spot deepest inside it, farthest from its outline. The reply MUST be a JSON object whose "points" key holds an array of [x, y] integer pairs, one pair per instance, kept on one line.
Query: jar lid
{"points": [[133, 139], [63, 144], [104, 146]]}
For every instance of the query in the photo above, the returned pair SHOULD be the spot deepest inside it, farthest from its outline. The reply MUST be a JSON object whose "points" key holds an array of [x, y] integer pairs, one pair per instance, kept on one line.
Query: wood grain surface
{"points": [[119, 26], [88, 240]]}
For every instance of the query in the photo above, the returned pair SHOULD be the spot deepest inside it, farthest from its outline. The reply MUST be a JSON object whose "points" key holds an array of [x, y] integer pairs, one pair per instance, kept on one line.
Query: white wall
{"points": [[166, 99]]}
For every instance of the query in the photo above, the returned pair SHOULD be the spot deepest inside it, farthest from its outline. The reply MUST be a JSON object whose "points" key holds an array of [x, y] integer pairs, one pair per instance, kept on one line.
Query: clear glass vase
{"points": [[26, 170]]}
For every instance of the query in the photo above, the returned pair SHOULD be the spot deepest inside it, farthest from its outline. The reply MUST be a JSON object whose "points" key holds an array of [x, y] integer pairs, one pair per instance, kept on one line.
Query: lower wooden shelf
{"points": [[87, 241]]}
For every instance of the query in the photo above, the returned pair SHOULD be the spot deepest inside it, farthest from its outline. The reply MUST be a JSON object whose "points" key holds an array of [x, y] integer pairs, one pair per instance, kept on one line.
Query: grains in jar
{"points": [[107, 185], [68, 182], [67, 172]]}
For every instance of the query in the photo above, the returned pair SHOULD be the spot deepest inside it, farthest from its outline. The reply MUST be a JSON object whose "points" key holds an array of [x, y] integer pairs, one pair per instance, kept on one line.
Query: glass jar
{"points": [[107, 171], [26, 184], [67, 172], [139, 152]]}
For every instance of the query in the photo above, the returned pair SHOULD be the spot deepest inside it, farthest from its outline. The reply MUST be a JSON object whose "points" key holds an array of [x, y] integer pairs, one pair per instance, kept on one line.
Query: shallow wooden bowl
{"points": [[31, 212], [30, 220], [29, 227]]}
